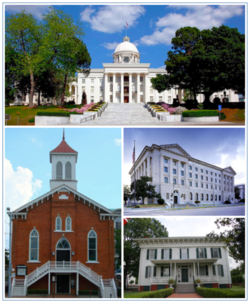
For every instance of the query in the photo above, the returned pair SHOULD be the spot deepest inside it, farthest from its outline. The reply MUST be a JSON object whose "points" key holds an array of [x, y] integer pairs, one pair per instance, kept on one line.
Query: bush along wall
{"points": [[200, 113], [219, 293], [37, 291], [53, 114], [163, 293], [87, 292]]}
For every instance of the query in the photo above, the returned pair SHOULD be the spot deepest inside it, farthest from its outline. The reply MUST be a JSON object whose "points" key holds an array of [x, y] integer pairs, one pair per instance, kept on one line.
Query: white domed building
{"points": [[127, 80]]}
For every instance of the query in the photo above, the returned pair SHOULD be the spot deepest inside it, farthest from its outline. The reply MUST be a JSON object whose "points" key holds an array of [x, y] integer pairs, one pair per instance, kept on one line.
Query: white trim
{"points": [[57, 177], [70, 223], [58, 217], [37, 246], [94, 261], [69, 249], [68, 162], [65, 231], [33, 262]]}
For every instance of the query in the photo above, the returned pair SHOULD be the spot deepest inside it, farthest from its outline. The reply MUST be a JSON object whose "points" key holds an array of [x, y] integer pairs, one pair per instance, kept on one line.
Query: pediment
{"points": [[175, 148], [229, 170]]}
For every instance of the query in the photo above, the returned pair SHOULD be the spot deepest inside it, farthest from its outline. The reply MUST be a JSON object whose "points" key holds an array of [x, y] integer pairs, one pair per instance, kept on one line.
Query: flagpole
{"points": [[134, 174]]}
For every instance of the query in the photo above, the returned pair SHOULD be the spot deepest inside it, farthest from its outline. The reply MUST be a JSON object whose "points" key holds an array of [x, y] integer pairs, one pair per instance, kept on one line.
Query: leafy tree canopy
{"points": [[126, 193], [138, 228]]}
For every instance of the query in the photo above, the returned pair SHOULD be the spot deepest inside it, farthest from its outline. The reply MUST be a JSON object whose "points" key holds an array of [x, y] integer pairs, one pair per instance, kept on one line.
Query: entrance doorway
{"points": [[175, 200], [126, 99], [62, 284], [63, 250], [184, 275]]}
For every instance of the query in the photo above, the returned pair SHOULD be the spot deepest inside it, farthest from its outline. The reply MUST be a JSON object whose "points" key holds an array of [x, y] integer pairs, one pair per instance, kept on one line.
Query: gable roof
{"points": [[230, 170], [175, 148]]}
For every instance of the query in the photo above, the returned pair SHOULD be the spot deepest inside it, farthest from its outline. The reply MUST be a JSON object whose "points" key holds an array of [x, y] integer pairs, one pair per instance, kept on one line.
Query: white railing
{"points": [[107, 282], [102, 289], [162, 279], [13, 285], [42, 270], [89, 273], [25, 287], [89, 118], [207, 279], [114, 288]]}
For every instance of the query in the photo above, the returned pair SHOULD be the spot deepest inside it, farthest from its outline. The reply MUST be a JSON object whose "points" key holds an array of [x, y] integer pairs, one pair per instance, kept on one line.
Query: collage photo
{"points": [[124, 151]]}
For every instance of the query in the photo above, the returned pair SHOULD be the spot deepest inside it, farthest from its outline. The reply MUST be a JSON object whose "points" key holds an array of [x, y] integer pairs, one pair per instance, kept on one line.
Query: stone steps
{"points": [[185, 288]]}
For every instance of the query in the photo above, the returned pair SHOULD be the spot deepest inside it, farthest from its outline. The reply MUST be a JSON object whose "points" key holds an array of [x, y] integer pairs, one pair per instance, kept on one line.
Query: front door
{"points": [[184, 275], [62, 284], [63, 255], [125, 99], [175, 199]]}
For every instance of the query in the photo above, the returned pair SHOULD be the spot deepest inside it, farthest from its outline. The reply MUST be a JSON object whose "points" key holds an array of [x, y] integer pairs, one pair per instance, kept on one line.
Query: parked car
{"points": [[118, 274]]}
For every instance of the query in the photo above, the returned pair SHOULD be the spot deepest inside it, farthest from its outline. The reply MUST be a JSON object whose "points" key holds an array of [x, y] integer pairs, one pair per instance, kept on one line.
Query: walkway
{"points": [[187, 296], [134, 114]]}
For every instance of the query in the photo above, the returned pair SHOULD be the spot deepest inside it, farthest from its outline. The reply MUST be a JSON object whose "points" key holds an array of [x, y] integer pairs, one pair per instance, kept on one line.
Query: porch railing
{"points": [[162, 279], [207, 279]]}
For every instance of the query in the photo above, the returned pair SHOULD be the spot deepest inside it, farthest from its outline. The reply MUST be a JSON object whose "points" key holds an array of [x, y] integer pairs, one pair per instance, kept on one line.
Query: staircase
{"points": [[185, 288], [19, 286]]}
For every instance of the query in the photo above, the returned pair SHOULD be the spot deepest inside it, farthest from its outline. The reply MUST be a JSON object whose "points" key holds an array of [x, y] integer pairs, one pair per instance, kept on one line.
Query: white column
{"points": [[122, 88], [138, 88], [179, 172], [77, 284], [114, 88], [76, 94], [186, 174], [170, 172], [161, 170], [144, 89], [130, 88], [106, 88], [148, 166], [194, 269], [49, 284], [175, 269]]}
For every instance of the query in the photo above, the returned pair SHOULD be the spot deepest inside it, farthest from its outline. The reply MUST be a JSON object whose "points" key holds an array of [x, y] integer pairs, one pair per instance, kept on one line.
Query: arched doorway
{"points": [[63, 250], [176, 197]]}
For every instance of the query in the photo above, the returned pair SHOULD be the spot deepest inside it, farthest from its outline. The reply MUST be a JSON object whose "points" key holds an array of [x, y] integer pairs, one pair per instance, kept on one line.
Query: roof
{"points": [[63, 148], [126, 46]]}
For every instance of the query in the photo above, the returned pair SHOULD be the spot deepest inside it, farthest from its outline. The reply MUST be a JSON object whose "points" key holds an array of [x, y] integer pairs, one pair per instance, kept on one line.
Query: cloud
{"points": [[118, 142], [36, 10], [200, 16], [19, 185], [112, 45], [112, 18]]}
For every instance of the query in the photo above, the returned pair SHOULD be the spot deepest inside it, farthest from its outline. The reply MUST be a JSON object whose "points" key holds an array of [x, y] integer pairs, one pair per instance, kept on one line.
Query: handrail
{"points": [[114, 287], [12, 285]]}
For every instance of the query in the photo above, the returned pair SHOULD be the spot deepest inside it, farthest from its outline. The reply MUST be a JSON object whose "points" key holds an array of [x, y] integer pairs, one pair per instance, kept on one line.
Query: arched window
{"points": [[202, 197], [59, 175], [63, 244], [211, 198], [191, 196], [34, 245], [68, 175], [58, 223], [196, 197], [68, 223], [206, 197], [92, 246]]}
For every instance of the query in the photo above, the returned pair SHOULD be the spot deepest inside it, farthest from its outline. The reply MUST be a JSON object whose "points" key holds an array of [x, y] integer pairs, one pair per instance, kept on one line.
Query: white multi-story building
{"points": [[180, 179], [183, 259]]}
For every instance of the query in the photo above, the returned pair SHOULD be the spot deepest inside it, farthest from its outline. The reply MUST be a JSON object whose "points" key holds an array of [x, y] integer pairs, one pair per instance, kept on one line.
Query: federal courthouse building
{"points": [[180, 178], [63, 241]]}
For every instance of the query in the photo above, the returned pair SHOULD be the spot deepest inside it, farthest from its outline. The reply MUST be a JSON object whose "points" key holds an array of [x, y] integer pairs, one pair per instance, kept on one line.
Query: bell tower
{"points": [[63, 159]]}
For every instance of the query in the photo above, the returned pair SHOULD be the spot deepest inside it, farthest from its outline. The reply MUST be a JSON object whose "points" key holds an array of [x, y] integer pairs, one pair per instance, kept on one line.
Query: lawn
{"points": [[236, 288], [233, 115]]}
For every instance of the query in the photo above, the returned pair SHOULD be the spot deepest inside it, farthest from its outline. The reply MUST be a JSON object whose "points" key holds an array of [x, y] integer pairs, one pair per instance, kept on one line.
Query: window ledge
{"points": [[92, 262], [33, 261], [63, 231]]}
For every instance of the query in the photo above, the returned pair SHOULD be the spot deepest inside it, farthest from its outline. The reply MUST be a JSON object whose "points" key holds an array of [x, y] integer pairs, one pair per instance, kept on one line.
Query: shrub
{"points": [[131, 282], [163, 293], [219, 293], [197, 281], [53, 114], [37, 291], [161, 201], [86, 292], [171, 281], [197, 202], [227, 202], [31, 120], [222, 116], [151, 103], [242, 200], [238, 279], [200, 106], [200, 113], [76, 113]]}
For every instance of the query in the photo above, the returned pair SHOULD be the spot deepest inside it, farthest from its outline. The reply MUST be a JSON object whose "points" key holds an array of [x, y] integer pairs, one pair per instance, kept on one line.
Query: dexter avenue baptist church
{"points": [[127, 80]]}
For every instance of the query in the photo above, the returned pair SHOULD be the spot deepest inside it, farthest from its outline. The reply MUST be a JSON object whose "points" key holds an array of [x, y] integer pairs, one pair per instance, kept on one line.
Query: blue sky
{"points": [[150, 27], [222, 147], [28, 167]]}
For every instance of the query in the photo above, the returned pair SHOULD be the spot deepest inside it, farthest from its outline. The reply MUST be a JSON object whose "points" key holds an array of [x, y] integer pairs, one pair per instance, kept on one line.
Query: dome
{"points": [[126, 46]]}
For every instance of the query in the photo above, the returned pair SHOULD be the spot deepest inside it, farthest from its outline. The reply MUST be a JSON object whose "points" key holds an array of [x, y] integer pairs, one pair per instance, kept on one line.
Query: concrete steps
{"points": [[186, 288]]}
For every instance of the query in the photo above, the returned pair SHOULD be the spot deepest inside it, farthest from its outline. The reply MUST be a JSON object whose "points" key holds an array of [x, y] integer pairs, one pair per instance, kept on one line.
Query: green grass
{"points": [[236, 288], [163, 293]]}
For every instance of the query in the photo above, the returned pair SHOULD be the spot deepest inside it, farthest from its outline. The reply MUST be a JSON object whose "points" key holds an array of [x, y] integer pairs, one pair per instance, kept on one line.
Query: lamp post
{"points": [[10, 265]]}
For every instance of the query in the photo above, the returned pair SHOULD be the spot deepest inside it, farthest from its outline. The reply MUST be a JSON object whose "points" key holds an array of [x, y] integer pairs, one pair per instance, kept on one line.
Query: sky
{"points": [[221, 147], [150, 27], [28, 168]]}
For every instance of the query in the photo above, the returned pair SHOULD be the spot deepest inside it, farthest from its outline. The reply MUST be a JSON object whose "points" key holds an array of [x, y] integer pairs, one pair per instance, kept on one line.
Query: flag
{"points": [[125, 221], [133, 156]]}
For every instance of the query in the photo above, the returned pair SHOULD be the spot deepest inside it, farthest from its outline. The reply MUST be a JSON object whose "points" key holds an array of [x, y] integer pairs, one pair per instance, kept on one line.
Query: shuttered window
{"points": [[184, 253], [220, 270], [148, 272], [215, 252], [201, 253], [166, 254], [68, 175], [151, 254], [59, 171]]}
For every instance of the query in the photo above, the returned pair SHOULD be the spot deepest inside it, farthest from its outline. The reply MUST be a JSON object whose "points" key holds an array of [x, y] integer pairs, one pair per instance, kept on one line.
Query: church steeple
{"points": [[63, 159]]}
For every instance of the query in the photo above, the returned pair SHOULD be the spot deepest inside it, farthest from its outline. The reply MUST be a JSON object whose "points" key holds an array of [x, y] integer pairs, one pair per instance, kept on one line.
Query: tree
{"points": [[126, 193], [138, 228], [143, 189], [237, 192], [7, 253], [234, 237], [205, 61]]}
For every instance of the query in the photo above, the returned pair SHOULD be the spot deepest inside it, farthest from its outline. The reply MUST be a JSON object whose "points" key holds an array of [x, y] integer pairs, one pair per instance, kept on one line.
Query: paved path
{"points": [[215, 211], [187, 296], [135, 114]]}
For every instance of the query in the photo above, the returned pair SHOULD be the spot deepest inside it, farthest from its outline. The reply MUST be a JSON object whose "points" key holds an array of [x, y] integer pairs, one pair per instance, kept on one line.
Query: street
{"points": [[216, 211]]}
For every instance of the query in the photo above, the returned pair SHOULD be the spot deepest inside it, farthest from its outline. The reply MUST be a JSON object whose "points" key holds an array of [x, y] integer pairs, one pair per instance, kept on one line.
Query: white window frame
{"points": [[68, 177], [37, 236], [66, 223], [58, 218], [92, 261]]}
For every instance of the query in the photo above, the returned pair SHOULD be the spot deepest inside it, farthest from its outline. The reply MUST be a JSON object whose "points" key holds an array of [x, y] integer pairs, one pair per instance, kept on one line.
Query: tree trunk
{"points": [[64, 88], [39, 96], [32, 89]]}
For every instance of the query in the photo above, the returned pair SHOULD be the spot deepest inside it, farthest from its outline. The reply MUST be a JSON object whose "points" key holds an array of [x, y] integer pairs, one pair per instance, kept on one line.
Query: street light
{"points": [[10, 265]]}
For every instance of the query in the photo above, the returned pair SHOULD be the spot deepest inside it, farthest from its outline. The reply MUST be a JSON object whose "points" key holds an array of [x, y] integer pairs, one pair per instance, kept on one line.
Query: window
{"points": [[215, 187], [196, 176], [151, 254], [211, 173], [211, 179], [92, 89], [201, 170], [202, 197], [182, 182], [184, 197], [201, 177], [182, 165], [59, 171], [165, 271], [83, 80], [92, 80], [165, 160], [219, 181], [190, 175], [211, 186], [166, 254], [111, 79], [201, 185], [191, 196], [160, 98], [215, 252], [148, 272], [174, 171], [196, 168], [203, 270], [118, 225], [196, 197], [151, 90], [165, 169], [68, 223], [184, 253], [201, 253], [92, 99], [220, 270], [190, 183], [206, 197], [190, 167], [167, 196], [174, 163], [174, 181], [68, 175], [151, 99], [219, 176], [92, 246], [206, 178], [58, 223], [206, 186], [215, 180], [214, 270], [182, 173], [34, 245], [141, 79], [215, 174], [165, 179], [196, 184]]}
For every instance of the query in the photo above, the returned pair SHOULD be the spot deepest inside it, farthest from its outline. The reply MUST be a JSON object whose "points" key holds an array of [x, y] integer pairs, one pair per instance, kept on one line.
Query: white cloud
{"points": [[19, 185], [112, 45], [200, 16], [118, 141], [112, 18], [36, 10]]}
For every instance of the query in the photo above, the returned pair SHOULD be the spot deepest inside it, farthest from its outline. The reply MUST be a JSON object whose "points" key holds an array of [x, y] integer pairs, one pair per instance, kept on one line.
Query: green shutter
{"points": [[170, 253], [146, 272], [205, 253], [147, 254], [188, 253], [222, 271], [219, 252], [180, 253], [214, 270], [162, 253], [206, 270], [155, 254], [169, 271], [212, 252], [161, 271], [154, 271], [197, 253]]}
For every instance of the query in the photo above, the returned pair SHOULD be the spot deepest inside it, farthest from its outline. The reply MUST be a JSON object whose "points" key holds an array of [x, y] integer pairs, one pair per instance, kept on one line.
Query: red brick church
{"points": [[63, 241]]}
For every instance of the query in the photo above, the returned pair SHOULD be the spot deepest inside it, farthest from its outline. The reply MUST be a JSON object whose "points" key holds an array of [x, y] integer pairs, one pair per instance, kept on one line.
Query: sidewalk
{"points": [[187, 296]]}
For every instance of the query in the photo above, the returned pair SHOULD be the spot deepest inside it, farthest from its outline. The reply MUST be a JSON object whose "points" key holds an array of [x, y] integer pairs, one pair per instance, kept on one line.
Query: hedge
{"points": [[238, 279], [219, 293], [163, 293], [56, 114], [37, 291], [200, 113], [86, 292]]}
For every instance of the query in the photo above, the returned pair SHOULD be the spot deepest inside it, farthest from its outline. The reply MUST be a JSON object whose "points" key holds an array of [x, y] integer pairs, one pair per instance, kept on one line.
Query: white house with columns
{"points": [[183, 259], [181, 179]]}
